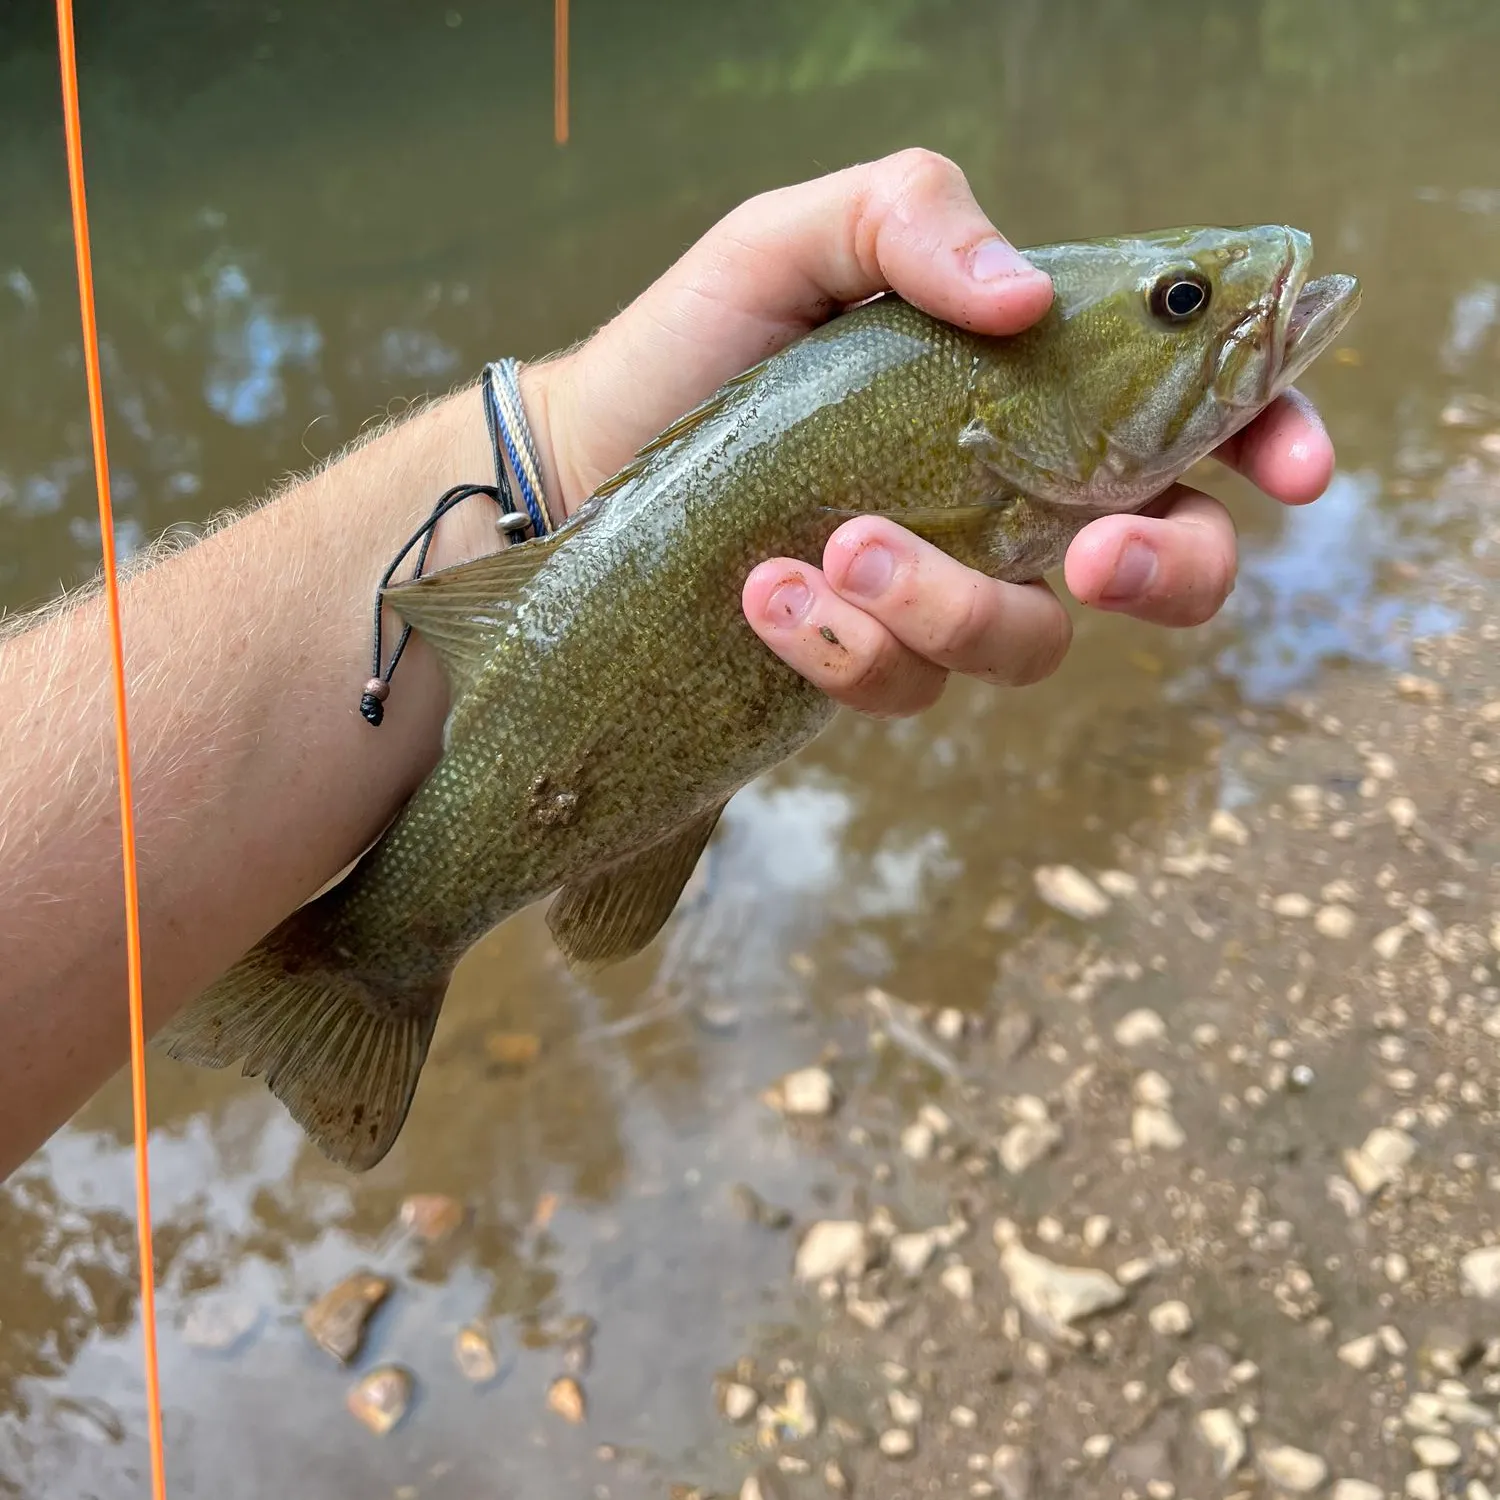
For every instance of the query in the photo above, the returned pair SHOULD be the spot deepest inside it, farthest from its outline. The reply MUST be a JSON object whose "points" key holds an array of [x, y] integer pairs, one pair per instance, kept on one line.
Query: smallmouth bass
{"points": [[608, 696]]}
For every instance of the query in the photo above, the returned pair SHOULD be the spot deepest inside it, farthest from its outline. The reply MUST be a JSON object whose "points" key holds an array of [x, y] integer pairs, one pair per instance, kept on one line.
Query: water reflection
{"points": [[251, 348], [287, 246]]}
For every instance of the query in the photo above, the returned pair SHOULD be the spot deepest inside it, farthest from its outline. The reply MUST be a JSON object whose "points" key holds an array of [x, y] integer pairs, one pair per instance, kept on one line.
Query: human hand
{"points": [[906, 613]]}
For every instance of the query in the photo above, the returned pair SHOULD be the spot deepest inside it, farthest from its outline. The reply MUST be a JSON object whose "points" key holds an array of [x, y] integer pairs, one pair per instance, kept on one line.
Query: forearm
{"points": [[256, 779]]}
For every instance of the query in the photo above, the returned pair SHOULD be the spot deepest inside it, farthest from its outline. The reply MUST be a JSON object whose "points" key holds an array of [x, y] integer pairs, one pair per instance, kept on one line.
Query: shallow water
{"points": [[302, 220]]}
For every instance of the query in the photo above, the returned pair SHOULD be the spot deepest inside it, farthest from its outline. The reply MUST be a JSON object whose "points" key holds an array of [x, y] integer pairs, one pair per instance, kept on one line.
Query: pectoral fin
{"points": [[614, 914]]}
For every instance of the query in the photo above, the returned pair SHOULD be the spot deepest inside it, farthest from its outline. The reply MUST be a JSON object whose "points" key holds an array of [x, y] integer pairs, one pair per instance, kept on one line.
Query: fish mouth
{"points": [[1310, 315]]}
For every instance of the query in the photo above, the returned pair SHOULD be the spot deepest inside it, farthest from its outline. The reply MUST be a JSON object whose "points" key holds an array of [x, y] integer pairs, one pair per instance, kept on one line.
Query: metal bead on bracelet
{"points": [[514, 449]]}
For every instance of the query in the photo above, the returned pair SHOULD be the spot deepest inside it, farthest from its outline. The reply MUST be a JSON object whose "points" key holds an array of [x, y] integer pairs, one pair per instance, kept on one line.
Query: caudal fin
{"points": [[341, 1050]]}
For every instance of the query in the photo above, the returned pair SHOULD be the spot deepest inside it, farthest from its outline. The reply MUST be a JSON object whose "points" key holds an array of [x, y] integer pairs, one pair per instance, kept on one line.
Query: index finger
{"points": [[1285, 451]]}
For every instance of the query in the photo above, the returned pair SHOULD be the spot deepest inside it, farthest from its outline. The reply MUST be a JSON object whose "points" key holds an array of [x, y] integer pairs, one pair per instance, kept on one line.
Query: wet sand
{"points": [[1215, 1206]]}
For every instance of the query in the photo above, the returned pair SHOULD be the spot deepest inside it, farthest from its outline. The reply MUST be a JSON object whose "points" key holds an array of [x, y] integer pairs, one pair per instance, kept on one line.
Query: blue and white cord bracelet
{"points": [[514, 449]]}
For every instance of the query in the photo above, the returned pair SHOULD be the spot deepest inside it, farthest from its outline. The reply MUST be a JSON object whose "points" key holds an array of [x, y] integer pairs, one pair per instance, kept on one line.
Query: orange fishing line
{"points": [[560, 71], [73, 129]]}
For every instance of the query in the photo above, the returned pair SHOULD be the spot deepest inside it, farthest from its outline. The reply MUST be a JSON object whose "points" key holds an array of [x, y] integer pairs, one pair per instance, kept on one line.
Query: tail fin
{"points": [[342, 1050]]}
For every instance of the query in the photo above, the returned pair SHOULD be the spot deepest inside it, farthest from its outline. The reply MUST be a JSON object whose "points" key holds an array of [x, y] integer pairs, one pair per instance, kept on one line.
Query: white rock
{"points": [[1223, 825], [917, 1140], [808, 1091], [999, 914], [833, 1247], [1014, 1470], [1459, 1408], [799, 1413], [1138, 1027], [1359, 1354], [1402, 811], [1171, 1319], [958, 1281], [1151, 1088], [219, 1322], [949, 1024], [1118, 883], [1387, 944], [1292, 1468], [1155, 1129], [1356, 1489], [1056, 1296], [913, 1253], [1292, 904], [897, 1442], [873, 1312], [1425, 1411], [738, 1401], [1221, 1431], [1435, 1452], [906, 1409], [1025, 1144], [1334, 921], [1097, 1228], [1480, 1271], [1069, 891], [1133, 1272], [1380, 1159], [1423, 1484]]}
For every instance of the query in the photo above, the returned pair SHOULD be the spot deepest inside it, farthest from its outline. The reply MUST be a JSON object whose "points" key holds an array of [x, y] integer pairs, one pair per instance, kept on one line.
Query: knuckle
{"points": [[869, 675], [963, 626], [888, 681], [917, 169]]}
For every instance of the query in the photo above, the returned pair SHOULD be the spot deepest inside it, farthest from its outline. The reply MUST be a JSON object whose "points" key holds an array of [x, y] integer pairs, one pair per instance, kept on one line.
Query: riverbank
{"points": [[1210, 1201]]}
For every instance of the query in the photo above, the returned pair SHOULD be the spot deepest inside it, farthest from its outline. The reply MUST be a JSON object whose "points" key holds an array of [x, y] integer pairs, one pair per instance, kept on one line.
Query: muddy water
{"points": [[302, 220]]}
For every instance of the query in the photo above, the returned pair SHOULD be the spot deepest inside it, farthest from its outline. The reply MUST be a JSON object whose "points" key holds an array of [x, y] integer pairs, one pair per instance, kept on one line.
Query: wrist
{"points": [[469, 531]]}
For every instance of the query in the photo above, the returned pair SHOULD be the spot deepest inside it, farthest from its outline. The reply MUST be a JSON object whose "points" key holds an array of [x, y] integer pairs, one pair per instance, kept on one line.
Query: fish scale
{"points": [[608, 696]]}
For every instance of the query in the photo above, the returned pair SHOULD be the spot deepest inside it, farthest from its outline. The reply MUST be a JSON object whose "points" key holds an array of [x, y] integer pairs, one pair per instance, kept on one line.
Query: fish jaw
{"points": [[1308, 315], [1315, 319], [1281, 333]]}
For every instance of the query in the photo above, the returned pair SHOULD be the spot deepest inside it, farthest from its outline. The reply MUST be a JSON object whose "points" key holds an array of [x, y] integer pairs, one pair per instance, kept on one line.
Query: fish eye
{"points": [[1179, 296]]}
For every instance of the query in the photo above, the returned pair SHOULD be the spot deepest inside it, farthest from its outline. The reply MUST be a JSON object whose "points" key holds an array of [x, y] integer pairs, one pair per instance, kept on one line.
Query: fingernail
{"points": [[1134, 571], [870, 573], [994, 260], [789, 602]]}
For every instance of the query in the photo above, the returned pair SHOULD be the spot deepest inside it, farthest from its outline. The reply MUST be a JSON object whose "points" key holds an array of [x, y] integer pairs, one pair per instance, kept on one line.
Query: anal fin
{"points": [[613, 914]]}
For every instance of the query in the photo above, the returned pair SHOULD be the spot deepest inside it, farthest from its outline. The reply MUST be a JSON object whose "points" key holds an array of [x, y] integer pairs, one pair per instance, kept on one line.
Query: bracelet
{"points": [[510, 439]]}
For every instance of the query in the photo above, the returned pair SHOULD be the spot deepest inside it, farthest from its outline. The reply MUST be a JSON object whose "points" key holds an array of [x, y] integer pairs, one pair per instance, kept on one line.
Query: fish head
{"points": [[1157, 348]]}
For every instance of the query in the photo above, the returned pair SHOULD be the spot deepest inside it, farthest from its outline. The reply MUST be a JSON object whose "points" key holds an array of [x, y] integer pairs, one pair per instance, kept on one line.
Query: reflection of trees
{"points": [[373, 271], [67, 1276]]}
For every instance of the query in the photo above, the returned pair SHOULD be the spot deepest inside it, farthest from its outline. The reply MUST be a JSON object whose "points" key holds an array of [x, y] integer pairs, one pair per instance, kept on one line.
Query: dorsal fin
{"points": [[461, 610], [688, 422]]}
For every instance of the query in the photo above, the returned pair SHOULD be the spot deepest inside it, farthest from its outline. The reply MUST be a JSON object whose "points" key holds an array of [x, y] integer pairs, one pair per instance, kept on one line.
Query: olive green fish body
{"points": [[623, 693], [609, 696]]}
